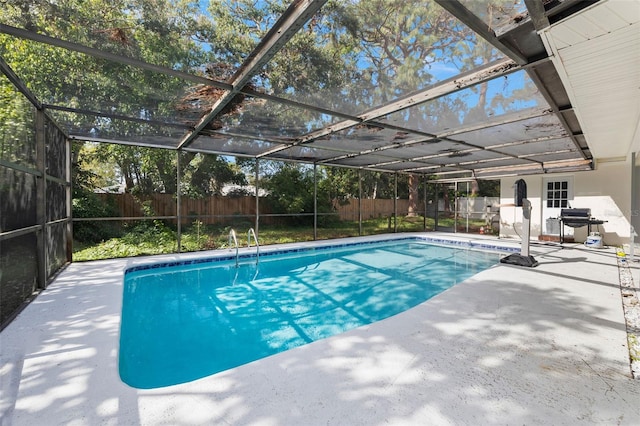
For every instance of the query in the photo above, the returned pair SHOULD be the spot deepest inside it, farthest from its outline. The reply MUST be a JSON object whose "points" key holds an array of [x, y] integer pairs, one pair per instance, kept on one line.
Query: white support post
{"points": [[523, 258]]}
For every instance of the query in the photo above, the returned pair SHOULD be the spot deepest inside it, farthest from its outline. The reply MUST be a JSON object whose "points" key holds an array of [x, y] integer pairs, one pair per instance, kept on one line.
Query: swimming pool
{"points": [[185, 320]]}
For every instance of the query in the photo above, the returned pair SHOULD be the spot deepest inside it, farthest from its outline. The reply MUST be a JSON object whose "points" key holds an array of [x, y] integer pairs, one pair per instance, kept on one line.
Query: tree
{"points": [[87, 176], [206, 174], [349, 56], [344, 184], [403, 43], [147, 170], [169, 33], [291, 191]]}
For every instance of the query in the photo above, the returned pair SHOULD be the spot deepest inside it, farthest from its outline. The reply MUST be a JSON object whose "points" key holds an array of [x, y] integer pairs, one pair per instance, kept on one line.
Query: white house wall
{"points": [[605, 190]]}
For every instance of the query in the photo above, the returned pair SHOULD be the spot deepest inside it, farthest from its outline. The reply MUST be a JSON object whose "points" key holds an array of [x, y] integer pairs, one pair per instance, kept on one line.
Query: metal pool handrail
{"points": [[233, 239], [255, 238]]}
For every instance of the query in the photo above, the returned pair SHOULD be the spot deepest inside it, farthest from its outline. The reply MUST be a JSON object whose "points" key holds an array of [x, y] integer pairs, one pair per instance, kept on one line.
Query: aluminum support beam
{"points": [[481, 28], [511, 118], [556, 109], [257, 186], [360, 202], [17, 82], [116, 116], [97, 53], [536, 13], [179, 201], [283, 30], [488, 72], [41, 199], [68, 190], [395, 202], [315, 201]]}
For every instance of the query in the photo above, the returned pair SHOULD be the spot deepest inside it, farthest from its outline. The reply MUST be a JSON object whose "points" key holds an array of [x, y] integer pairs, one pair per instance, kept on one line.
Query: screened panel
{"points": [[261, 118], [95, 127], [452, 173], [56, 201], [402, 165], [147, 74], [289, 198], [236, 209], [108, 87], [199, 173], [19, 278], [495, 172], [512, 93], [339, 191], [450, 170], [365, 137], [56, 151], [181, 38], [403, 47], [56, 242], [220, 143], [337, 212], [138, 236], [555, 156], [329, 228], [560, 144], [523, 130], [378, 206], [147, 189], [465, 157], [429, 149], [308, 152], [497, 14], [17, 126], [18, 201], [502, 162], [364, 160]]}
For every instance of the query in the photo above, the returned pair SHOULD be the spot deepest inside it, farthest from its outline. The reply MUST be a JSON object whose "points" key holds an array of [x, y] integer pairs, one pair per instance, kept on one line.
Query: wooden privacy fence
{"points": [[372, 208], [165, 205]]}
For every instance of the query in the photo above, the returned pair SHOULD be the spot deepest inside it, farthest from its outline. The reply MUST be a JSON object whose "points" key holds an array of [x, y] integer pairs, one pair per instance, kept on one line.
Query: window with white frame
{"points": [[558, 193]]}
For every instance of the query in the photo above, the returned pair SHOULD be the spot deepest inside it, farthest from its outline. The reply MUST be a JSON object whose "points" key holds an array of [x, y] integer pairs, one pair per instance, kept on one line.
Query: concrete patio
{"points": [[510, 346]]}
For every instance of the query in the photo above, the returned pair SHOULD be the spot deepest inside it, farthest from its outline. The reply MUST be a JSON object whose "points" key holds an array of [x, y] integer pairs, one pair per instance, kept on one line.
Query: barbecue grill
{"points": [[577, 218]]}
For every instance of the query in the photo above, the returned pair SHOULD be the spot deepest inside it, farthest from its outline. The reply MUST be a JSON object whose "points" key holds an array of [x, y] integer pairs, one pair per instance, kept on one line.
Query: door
{"points": [[446, 207]]}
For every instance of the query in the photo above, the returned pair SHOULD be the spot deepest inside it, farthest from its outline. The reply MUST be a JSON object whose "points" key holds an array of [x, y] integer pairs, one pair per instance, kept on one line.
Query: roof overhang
{"points": [[597, 55]]}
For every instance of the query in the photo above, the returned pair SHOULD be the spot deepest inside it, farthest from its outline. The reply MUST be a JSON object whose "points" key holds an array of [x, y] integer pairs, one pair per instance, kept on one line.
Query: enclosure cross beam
{"points": [[488, 72], [463, 14], [284, 29]]}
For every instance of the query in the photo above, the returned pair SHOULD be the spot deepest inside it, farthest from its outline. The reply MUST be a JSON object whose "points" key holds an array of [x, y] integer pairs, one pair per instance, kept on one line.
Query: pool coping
{"points": [[248, 253]]}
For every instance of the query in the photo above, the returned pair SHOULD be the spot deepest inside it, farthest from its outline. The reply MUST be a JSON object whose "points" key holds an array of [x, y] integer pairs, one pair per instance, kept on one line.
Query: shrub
{"points": [[87, 204]]}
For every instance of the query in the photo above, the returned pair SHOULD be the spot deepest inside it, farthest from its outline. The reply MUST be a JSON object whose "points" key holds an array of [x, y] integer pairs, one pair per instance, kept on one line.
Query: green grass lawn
{"points": [[160, 239]]}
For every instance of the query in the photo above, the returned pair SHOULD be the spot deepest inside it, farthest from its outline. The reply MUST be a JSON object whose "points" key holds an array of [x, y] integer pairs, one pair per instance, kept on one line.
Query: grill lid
{"points": [[575, 213]]}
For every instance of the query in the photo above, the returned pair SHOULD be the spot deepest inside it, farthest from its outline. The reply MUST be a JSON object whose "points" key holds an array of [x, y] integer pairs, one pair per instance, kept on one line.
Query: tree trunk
{"points": [[413, 196], [475, 188], [446, 199]]}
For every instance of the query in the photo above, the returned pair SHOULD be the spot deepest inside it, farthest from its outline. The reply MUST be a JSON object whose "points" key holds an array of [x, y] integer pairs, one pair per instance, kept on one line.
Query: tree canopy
{"points": [[361, 53]]}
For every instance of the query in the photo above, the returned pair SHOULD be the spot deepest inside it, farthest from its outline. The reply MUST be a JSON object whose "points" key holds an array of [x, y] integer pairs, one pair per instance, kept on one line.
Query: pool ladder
{"points": [[233, 239], [255, 238]]}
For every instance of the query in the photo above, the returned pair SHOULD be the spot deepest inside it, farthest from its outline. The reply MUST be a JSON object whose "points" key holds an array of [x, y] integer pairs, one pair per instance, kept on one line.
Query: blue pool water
{"points": [[187, 321]]}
